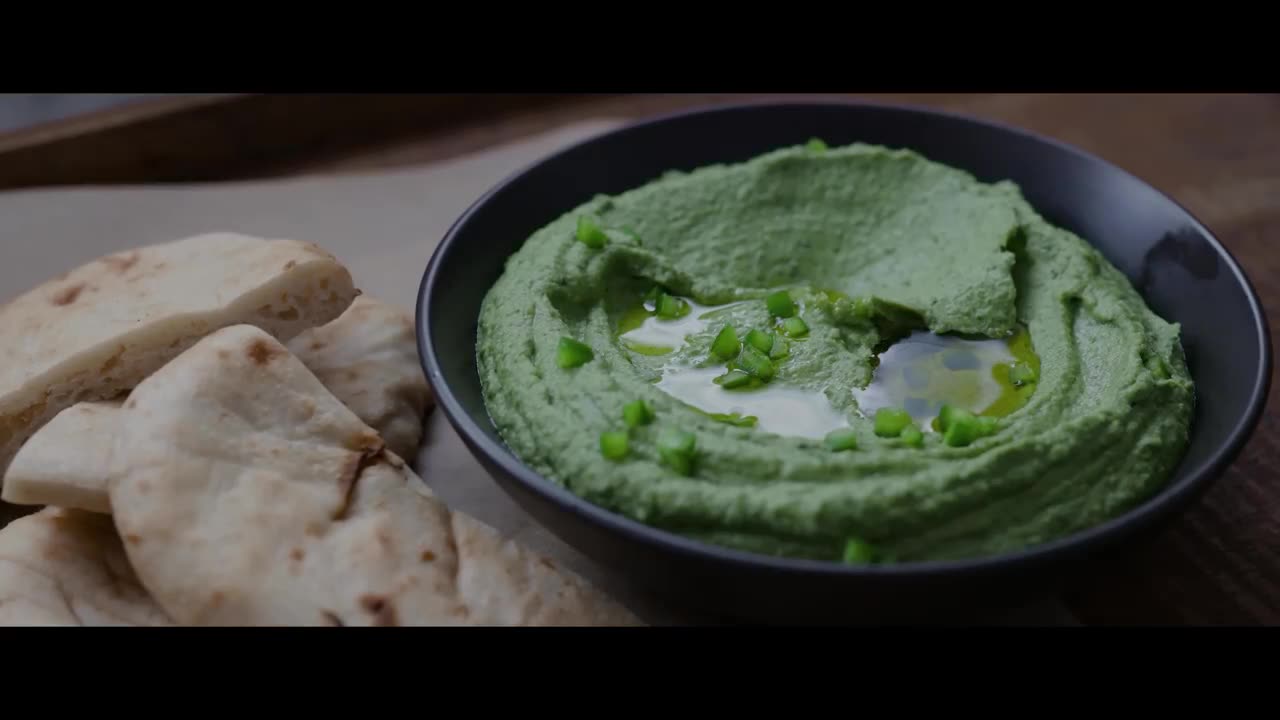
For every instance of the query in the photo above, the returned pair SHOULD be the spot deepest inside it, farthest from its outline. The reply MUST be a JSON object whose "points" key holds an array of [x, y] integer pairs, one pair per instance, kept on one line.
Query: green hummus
{"points": [[935, 372]]}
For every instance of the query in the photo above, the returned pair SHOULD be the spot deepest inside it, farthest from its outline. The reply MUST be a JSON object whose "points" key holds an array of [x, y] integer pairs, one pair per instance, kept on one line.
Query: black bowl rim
{"points": [[1165, 503]]}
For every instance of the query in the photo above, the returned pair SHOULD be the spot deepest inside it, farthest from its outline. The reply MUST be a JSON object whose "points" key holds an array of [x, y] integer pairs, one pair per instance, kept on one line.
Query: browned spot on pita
{"points": [[216, 599], [383, 612], [297, 554], [370, 449], [144, 487], [461, 612], [324, 283], [67, 295], [384, 539], [261, 353], [288, 314], [112, 361], [331, 619], [352, 375], [317, 345], [133, 538], [428, 556], [308, 408], [224, 354], [291, 265], [547, 562], [121, 263], [365, 441], [315, 529]]}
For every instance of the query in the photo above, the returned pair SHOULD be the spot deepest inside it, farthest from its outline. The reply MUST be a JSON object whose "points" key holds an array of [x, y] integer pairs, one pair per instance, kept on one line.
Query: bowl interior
{"points": [[1183, 272]]}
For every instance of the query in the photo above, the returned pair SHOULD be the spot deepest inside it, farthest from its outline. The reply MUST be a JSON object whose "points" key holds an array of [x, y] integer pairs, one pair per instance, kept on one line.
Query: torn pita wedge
{"points": [[67, 567], [247, 494], [97, 331], [368, 358], [65, 462]]}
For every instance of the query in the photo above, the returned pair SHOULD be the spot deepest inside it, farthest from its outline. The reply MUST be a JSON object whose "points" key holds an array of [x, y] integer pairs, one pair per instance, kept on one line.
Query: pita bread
{"points": [[247, 494], [66, 567], [368, 358], [97, 331], [65, 462]]}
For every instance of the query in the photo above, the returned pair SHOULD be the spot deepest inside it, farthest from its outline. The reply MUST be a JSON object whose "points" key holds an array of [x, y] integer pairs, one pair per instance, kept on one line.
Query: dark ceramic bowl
{"points": [[1181, 269]]}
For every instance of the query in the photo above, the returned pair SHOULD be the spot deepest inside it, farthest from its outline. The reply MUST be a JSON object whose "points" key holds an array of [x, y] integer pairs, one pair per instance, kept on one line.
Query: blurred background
{"points": [[1190, 143]]}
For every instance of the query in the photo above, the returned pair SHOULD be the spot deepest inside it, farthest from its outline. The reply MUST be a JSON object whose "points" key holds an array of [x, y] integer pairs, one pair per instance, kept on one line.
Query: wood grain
{"points": [[1218, 155]]}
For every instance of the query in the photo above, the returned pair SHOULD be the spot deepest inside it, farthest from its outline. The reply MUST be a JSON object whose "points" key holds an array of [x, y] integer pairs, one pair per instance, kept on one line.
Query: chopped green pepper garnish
{"points": [[943, 421], [590, 234], [754, 363], [1021, 373], [780, 304], [676, 447], [781, 349], [816, 145], [760, 340], [735, 419], [912, 437], [637, 413], [840, 439], [795, 327], [652, 296], [733, 379], [961, 427], [858, 552], [890, 422], [671, 308], [613, 445], [570, 353], [726, 345]]}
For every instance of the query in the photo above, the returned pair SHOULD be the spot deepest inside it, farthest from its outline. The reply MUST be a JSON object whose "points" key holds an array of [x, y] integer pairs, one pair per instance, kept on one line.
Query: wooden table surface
{"points": [[1218, 155]]}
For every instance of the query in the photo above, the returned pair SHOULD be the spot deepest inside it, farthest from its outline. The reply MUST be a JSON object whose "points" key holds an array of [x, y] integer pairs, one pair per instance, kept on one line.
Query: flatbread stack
{"points": [[219, 439]]}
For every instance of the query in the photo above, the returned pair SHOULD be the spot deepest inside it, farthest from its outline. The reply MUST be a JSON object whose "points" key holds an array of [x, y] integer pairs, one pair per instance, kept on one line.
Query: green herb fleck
{"points": [[760, 340], [780, 304], [590, 234], [890, 422], [733, 379], [726, 345], [676, 448], [735, 419], [672, 308], [858, 552], [637, 413], [570, 353], [755, 363], [795, 327], [840, 440], [614, 445]]}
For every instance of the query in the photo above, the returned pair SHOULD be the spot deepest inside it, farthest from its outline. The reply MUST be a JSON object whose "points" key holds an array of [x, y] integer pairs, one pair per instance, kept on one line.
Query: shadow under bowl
{"points": [[1179, 267]]}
